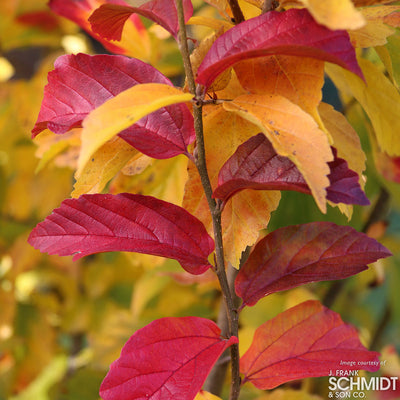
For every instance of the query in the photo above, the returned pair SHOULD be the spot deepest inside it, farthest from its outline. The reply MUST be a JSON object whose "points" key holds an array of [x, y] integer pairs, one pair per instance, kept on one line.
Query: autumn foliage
{"points": [[210, 173]]}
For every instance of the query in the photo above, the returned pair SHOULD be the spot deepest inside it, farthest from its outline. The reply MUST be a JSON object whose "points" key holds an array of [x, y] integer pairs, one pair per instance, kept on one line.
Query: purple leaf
{"points": [[109, 19], [293, 32], [124, 222], [256, 165], [299, 254], [80, 83]]}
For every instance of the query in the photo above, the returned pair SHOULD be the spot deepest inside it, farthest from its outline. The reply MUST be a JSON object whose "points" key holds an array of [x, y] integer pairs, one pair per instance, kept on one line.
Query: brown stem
{"points": [[268, 6], [236, 11], [215, 209], [216, 378]]}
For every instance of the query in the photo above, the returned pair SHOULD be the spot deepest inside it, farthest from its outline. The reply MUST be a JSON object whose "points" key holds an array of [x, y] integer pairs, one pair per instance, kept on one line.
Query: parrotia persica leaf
{"points": [[81, 83], [168, 359], [255, 165], [109, 19], [335, 14], [127, 108], [299, 254], [138, 43], [125, 222], [293, 32], [299, 79], [293, 133], [379, 98], [307, 340]]}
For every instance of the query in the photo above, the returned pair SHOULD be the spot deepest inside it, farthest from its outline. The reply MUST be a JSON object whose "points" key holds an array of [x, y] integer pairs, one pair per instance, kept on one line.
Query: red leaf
{"points": [[79, 12], [293, 32], [256, 165], [109, 19], [307, 340], [43, 20], [298, 254], [168, 359], [80, 83], [124, 222]]}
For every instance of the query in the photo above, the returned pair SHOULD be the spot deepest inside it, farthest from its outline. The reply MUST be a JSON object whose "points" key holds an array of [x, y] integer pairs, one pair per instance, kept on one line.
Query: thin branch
{"points": [[184, 49], [269, 5], [236, 11], [215, 209]]}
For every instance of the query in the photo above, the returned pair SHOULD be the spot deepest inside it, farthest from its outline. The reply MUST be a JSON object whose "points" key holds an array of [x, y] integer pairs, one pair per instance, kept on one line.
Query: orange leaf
{"points": [[104, 165], [307, 340], [299, 79], [293, 134], [335, 14], [248, 212]]}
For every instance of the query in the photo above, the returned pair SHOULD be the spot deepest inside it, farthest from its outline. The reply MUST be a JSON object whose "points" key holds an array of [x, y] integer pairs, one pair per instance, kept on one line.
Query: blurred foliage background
{"points": [[61, 322]]}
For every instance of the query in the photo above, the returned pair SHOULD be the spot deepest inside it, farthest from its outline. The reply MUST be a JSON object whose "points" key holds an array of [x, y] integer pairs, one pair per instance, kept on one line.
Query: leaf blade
{"points": [[277, 33], [136, 45], [81, 83], [293, 134], [307, 340], [122, 111], [255, 165], [108, 20], [169, 359], [298, 254], [124, 222]]}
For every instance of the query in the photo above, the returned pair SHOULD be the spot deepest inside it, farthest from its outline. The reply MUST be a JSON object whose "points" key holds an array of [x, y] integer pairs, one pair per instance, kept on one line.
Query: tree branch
{"points": [[215, 209], [269, 5], [236, 11]]}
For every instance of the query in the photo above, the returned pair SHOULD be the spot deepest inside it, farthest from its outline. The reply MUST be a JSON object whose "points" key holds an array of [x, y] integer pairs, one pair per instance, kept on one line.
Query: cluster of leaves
{"points": [[248, 126]]}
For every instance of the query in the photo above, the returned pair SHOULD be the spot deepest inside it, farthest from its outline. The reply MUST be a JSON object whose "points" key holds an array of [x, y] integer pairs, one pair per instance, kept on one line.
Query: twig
{"points": [[236, 11], [268, 6], [215, 210]]}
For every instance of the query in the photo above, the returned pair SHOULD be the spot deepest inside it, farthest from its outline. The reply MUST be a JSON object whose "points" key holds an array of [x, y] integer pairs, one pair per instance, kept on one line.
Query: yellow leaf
{"points": [[164, 179], [347, 144], [363, 3], [250, 9], [345, 138], [106, 162], [53, 373], [203, 395], [247, 212], [137, 164], [299, 79], [376, 31], [50, 146], [335, 14], [213, 23], [257, 3], [136, 43], [198, 55], [121, 112], [147, 287], [379, 98], [244, 216], [390, 56], [293, 134]]}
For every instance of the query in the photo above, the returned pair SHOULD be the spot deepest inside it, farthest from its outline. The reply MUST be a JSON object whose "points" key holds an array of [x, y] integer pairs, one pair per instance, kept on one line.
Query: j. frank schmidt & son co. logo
{"points": [[348, 384]]}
